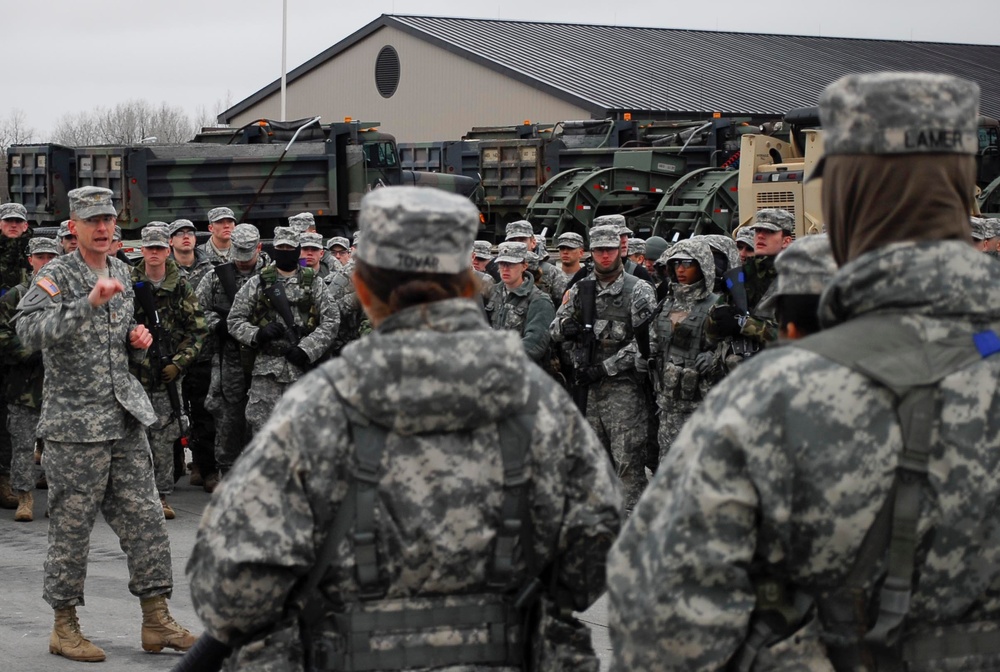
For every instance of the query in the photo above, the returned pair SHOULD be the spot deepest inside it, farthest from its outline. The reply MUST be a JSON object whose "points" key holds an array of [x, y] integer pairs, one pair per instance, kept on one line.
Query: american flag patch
{"points": [[49, 286]]}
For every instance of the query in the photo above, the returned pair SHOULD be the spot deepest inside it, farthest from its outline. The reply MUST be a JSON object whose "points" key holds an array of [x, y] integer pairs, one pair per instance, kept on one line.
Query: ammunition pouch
{"points": [[396, 634], [676, 382]]}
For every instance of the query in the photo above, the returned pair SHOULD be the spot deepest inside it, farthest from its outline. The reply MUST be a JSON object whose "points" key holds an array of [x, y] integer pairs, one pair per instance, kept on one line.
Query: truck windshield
{"points": [[380, 154]]}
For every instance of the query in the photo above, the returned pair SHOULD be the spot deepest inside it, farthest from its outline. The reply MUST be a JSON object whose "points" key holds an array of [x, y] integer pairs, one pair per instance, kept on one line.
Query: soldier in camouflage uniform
{"points": [[232, 365], [768, 503], [343, 295], [221, 222], [744, 243], [183, 323], [571, 251], [684, 363], [14, 269], [283, 354], [441, 534], [67, 241], [624, 235], [23, 388], [773, 229], [617, 408], [518, 305], [805, 268], [551, 280], [482, 255], [312, 252], [78, 312], [194, 264]]}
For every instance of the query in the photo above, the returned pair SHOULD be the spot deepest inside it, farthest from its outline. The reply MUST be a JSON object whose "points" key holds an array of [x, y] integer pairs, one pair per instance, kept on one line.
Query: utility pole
{"points": [[284, 55]]}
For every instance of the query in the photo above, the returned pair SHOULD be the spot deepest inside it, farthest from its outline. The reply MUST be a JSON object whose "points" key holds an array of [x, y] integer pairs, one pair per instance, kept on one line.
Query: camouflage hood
{"points": [[699, 250], [940, 279], [435, 368]]}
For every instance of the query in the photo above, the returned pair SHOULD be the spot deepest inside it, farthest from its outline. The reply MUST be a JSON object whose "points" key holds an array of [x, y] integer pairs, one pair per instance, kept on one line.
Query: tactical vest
{"points": [[617, 311], [862, 628], [263, 312], [684, 342], [337, 636]]}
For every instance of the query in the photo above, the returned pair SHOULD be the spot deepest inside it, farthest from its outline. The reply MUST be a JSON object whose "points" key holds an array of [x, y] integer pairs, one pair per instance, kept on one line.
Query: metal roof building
{"points": [[432, 78]]}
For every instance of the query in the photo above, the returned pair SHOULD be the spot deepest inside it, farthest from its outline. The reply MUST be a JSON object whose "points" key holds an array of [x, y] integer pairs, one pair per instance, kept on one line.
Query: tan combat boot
{"points": [[168, 511], [8, 500], [25, 503], [67, 640], [160, 630]]}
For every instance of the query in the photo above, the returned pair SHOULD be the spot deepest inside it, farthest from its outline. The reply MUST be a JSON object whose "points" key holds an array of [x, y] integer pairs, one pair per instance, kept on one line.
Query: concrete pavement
{"points": [[111, 617]]}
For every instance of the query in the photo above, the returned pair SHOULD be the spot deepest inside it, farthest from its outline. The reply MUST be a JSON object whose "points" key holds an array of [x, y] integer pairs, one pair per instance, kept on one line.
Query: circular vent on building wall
{"points": [[387, 71]]}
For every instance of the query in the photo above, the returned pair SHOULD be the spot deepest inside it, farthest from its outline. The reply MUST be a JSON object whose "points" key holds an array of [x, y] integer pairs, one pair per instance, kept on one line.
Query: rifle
{"points": [[275, 293], [736, 286], [159, 356], [586, 349], [207, 655], [227, 278]]}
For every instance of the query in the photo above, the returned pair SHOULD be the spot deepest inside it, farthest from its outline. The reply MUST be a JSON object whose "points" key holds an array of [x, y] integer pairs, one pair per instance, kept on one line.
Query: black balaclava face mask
{"points": [[286, 260]]}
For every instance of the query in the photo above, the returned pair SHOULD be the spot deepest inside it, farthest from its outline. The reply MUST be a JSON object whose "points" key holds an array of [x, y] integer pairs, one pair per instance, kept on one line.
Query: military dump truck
{"points": [[256, 170], [560, 176], [773, 170]]}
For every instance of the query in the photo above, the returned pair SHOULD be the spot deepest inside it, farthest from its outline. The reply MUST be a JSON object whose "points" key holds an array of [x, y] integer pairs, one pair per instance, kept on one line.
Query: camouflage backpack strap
{"points": [[911, 368]]}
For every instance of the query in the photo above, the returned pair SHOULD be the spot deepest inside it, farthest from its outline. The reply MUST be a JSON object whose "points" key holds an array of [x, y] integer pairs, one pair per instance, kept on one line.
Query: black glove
{"points": [[571, 329], [34, 359], [704, 362], [222, 329], [589, 375], [271, 331], [726, 319], [298, 357]]}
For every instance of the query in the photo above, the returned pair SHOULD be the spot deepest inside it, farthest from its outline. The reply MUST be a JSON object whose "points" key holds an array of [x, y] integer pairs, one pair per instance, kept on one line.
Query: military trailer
{"points": [[256, 170]]}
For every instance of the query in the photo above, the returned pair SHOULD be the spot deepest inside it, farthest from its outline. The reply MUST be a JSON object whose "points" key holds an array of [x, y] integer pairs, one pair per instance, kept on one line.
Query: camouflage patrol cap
{"points": [[773, 219], [87, 202], [744, 235], [302, 222], [617, 221], [417, 229], [980, 228], [215, 214], [482, 249], [805, 267], [512, 253], [13, 211], [655, 247], [156, 234], [994, 227], [604, 236], [338, 240], [117, 235], [285, 235], [519, 229], [636, 246], [42, 245], [244, 242], [179, 225], [899, 113], [570, 240], [63, 229], [311, 240]]}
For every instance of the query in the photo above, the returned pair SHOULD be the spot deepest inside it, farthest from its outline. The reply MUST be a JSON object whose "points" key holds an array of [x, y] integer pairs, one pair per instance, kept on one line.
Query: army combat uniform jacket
{"points": [[183, 321], [440, 482], [784, 467], [527, 311], [55, 311]]}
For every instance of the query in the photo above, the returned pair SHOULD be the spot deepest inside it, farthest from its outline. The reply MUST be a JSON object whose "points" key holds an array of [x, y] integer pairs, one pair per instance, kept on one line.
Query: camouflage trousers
{"points": [[673, 415], [228, 400], [117, 478], [264, 394], [22, 423], [618, 412], [162, 436]]}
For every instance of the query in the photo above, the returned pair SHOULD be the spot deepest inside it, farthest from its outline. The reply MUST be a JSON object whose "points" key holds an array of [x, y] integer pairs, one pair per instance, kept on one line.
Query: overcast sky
{"points": [[65, 57]]}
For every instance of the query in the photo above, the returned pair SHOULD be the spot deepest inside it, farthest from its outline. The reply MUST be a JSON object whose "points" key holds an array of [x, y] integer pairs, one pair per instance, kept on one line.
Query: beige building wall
{"points": [[440, 96]]}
